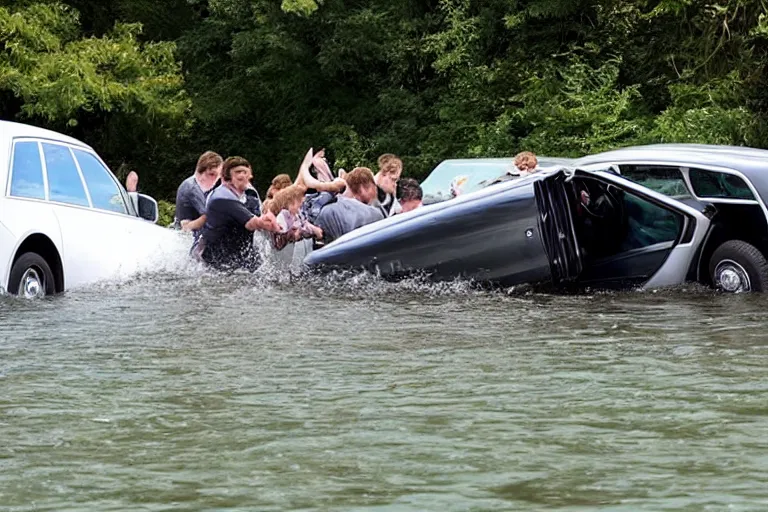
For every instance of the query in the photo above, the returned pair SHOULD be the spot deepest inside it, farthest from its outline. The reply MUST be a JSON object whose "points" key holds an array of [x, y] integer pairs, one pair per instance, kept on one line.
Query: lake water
{"points": [[192, 391]]}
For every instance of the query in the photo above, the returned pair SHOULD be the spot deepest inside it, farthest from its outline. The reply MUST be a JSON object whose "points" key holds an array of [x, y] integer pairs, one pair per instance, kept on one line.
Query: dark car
{"points": [[565, 227], [729, 184]]}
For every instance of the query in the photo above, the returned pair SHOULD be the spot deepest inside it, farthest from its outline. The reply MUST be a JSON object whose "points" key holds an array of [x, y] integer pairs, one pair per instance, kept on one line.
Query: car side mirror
{"points": [[145, 206]]}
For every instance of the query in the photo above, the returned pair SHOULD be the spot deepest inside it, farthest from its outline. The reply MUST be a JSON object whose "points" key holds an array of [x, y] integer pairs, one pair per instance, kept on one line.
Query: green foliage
{"points": [[59, 76], [713, 113], [426, 79], [578, 110], [167, 211]]}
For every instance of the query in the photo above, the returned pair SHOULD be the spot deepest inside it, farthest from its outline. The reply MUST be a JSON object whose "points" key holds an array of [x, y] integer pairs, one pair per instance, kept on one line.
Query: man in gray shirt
{"points": [[352, 209], [190, 197]]}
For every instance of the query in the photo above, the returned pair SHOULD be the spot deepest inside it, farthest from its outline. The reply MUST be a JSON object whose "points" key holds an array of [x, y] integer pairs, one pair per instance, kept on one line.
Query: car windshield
{"points": [[472, 174]]}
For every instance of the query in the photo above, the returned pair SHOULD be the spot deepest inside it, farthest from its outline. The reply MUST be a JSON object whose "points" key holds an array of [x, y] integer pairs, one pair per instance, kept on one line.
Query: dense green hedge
{"points": [[428, 79]]}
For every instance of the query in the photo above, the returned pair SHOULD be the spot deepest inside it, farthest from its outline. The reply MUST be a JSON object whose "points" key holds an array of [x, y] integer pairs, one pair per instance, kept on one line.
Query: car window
{"points": [[474, 175], [719, 184], [64, 184], [664, 179], [103, 189], [649, 223], [27, 171]]}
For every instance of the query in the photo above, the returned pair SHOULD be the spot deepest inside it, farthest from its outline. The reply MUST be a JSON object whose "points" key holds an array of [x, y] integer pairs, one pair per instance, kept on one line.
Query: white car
{"points": [[65, 220]]}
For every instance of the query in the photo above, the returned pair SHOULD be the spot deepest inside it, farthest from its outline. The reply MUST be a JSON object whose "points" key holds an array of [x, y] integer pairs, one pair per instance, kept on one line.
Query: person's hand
{"points": [[339, 184], [185, 225], [132, 182], [318, 232], [269, 222]]}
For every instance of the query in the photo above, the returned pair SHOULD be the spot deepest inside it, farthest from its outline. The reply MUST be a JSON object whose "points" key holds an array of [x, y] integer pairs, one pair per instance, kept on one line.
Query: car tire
{"points": [[737, 266], [31, 277]]}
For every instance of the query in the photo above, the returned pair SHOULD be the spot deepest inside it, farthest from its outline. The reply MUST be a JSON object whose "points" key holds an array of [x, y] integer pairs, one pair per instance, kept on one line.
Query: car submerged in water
{"points": [[652, 216]]}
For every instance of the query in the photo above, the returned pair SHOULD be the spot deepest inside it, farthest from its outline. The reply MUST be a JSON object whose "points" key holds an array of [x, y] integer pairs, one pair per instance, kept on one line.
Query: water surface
{"points": [[195, 391]]}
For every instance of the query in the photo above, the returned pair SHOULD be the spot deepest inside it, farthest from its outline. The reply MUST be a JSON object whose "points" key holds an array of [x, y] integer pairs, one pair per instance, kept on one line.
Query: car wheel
{"points": [[31, 277], [737, 266]]}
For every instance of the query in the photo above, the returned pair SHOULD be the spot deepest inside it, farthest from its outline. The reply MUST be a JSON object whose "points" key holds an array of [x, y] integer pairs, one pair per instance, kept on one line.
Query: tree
{"points": [[124, 97]]}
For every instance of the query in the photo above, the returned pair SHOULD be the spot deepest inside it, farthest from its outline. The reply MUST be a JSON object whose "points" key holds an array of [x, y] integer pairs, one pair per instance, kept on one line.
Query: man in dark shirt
{"points": [[190, 197], [227, 236], [352, 209]]}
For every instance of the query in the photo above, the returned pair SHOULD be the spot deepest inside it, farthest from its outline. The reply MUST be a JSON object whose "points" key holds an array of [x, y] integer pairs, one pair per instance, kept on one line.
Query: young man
{"points": [[190, 197], [409, 194], [227, 237], [390, 169], [352, 209]]}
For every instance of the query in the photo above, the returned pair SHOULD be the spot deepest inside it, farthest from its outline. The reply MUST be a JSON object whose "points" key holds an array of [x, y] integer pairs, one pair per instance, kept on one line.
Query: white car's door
{"points": [[90, 238], [142, 244]]}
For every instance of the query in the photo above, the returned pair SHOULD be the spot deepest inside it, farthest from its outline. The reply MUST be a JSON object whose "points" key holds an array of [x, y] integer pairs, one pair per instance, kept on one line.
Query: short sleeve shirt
{"points": [[345, 215], [227, 243], [190, 200]]}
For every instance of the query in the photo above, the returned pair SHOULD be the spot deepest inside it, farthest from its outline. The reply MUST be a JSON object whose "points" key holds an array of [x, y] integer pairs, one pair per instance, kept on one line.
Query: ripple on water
{"points": [[187, 390]]}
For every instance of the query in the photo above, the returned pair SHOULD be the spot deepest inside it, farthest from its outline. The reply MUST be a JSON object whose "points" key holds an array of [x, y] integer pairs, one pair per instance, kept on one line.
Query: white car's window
{"points": [[103, 189], [64, 184], [27, 171]]}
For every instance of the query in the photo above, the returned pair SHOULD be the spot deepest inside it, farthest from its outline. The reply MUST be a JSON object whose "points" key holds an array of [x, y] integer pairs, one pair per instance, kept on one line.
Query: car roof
{"points": [[744, 159], [9, 129]]}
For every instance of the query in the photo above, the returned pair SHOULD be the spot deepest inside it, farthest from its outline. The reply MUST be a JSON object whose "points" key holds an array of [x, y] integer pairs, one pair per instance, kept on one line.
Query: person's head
{"points": [[361, 185], [390, 168], [409, 194], [237, 171], [209, 166], [279, 182], [526, 162], [289, 198]]}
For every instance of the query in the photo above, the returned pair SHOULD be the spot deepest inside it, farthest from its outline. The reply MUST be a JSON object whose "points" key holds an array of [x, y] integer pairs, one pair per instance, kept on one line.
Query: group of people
{"points": [[222, 209]]}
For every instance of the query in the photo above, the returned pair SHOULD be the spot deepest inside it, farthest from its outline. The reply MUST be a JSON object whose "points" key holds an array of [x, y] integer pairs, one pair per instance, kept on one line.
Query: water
{"points": [[194, 391]]}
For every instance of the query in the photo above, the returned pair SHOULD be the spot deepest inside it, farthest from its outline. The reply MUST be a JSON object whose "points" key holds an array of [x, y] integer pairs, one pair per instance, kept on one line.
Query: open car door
{"points": [[603, 230]]}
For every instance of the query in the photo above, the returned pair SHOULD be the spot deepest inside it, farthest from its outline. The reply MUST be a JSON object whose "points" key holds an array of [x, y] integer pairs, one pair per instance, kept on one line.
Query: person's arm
{"points": [[266, 222], [194, 225], [313, 231], [306, 179]]}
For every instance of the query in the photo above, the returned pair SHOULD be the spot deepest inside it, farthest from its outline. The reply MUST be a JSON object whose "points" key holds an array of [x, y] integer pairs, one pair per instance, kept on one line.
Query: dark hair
{"points": [[408, 189], [230, 163], [208, 160]]}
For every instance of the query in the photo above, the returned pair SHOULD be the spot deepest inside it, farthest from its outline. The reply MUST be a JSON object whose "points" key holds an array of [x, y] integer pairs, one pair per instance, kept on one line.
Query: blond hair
{"points": [[279, 182], [526, 157], [285, 198], [390, 164]]}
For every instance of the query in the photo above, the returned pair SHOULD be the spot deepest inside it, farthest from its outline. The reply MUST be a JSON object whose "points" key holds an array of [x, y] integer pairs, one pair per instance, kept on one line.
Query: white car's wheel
{"points": [[31, 277]]}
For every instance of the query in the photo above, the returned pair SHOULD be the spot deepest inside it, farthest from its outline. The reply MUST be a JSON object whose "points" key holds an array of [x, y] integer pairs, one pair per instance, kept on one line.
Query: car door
{"points": [[626, 234], [94, 227]]}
